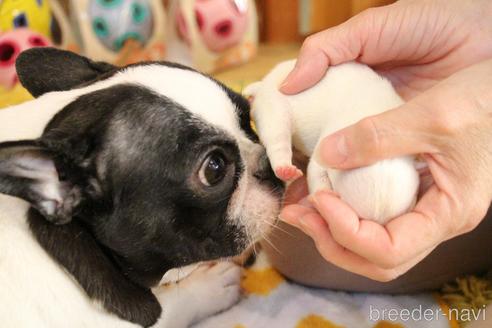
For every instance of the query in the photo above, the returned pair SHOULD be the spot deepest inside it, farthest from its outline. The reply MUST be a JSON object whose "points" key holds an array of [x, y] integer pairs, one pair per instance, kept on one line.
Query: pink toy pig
{"points": [[222, 23], [12, 43]]}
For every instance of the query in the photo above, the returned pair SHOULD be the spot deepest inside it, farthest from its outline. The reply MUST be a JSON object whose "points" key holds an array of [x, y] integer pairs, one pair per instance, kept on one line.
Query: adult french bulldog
{"points": [[113, 176]]}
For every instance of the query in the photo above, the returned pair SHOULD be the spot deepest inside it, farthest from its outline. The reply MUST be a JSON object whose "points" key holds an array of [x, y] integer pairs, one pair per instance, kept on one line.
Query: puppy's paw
{"points": [[215, 286], [288, 172]]}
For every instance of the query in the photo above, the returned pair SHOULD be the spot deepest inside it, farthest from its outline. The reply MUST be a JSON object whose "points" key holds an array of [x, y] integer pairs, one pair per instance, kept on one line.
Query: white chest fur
{"points": [[347, 94]]}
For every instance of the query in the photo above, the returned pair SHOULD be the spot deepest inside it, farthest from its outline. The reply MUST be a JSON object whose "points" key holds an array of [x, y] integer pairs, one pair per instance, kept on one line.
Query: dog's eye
{"points": [[213, 169]]}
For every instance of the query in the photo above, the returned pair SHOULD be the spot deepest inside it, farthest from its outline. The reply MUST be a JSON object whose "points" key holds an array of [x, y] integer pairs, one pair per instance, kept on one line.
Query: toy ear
{"points": [[43, 69], [28, 171]]}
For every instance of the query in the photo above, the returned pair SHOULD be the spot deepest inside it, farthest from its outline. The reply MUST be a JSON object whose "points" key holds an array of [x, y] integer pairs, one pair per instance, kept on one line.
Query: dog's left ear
{"points": [[44, 69], [28, 171]]}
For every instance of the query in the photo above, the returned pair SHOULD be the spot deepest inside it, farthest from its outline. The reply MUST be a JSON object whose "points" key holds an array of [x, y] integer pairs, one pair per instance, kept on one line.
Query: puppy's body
{"points": [[128, 174], [347, 94]]}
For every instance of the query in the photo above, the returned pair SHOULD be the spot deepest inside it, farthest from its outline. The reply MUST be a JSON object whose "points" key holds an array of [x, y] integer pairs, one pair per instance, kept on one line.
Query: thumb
{"points": [[394, 133], [331, 47]]}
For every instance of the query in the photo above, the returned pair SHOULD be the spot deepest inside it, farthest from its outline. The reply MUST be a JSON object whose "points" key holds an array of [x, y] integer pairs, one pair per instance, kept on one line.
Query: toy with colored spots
{"points": [[26, 24], [32, 14], [12, 43], [222, 23], [116, 21], [120, 31], [211, 35], [45, 17]]}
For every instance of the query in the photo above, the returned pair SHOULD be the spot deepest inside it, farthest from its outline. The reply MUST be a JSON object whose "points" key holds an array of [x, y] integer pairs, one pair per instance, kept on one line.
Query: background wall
{"points": [[292, 20]]}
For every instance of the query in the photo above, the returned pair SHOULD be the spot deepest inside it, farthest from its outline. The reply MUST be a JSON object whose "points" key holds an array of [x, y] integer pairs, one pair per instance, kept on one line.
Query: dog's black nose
{"points": [[264, 170], [266, 176]]}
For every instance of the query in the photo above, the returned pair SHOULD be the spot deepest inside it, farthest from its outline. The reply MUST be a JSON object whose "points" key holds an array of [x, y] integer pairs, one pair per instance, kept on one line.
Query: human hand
{"points": [[450, 125], [413, 43]]}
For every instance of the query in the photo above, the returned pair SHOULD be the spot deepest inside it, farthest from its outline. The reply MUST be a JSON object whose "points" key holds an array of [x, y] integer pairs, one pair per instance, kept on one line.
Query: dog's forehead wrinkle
{"points": [[196, 92]]}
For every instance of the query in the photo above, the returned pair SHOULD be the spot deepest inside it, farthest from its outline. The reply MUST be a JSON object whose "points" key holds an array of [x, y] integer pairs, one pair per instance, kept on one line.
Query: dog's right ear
{"points": [[28, 171], [43, 69]]}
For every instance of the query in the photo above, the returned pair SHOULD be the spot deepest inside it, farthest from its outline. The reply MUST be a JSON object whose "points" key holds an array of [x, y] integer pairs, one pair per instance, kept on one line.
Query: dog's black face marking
{"points": [[138, 213], [120, 163], [136, 183]]}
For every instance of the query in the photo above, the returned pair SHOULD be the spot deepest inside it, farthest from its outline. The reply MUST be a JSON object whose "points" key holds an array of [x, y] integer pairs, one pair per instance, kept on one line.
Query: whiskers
{"points": [[264, 236]]}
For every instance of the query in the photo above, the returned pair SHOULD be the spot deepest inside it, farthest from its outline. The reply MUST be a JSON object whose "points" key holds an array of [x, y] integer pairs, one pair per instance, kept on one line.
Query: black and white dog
{"points": [[114, 176]]}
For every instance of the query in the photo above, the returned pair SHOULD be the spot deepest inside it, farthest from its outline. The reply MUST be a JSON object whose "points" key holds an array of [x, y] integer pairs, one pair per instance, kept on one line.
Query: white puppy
{"points": [[347, 94]]}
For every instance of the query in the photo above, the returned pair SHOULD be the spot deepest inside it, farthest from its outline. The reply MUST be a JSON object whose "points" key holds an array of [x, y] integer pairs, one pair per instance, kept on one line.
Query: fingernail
{"points": [[333, 150], [291, 77], [285, 84]]}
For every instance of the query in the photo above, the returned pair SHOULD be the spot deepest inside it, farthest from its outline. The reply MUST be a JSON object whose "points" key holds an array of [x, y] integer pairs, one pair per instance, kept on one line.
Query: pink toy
{"points": [[222, 23], [12, 43]]}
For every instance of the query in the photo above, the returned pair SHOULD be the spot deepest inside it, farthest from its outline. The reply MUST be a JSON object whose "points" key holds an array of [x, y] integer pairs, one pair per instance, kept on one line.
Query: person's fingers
{"points": [[390, 246], [402, 131], [331, 47], [296, 191], [291, 213], [310, 68], [311, 223], [376, 37]]}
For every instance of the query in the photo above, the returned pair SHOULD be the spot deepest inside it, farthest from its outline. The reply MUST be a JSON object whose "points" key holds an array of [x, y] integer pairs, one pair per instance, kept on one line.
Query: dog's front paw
{"points": [[215, 287], [207, 290]]}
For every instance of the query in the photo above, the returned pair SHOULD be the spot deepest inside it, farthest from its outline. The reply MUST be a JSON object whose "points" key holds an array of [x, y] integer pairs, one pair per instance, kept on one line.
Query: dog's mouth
{"points": [[255, 207]]}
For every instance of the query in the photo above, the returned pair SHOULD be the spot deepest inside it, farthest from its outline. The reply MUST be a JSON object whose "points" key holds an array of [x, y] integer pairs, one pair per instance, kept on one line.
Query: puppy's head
{"points": [[157, 161]]}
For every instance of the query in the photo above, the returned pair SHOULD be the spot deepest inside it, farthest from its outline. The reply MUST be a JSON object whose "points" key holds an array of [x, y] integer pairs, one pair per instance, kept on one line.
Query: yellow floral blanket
{"points": [[270, 301]]}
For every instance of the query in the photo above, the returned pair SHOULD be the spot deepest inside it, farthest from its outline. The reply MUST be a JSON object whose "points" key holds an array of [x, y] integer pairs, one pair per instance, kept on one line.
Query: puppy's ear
{"points": [[44, 69], [28, 171]]}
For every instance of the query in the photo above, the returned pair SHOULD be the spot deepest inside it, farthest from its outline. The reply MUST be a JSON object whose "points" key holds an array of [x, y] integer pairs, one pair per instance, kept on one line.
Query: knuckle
{"points": [[371, 134], [475, 217], [446, 122], [370, 19], [385, 276], [368, 14], [481, 211], [443, 228], [390, 262], [469, 226], [440, 227], [450, 229], [311, 43]]}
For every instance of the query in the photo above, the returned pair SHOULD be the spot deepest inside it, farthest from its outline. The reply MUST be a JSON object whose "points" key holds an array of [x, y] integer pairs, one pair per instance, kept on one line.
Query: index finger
{"points": [[401, 240]]}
